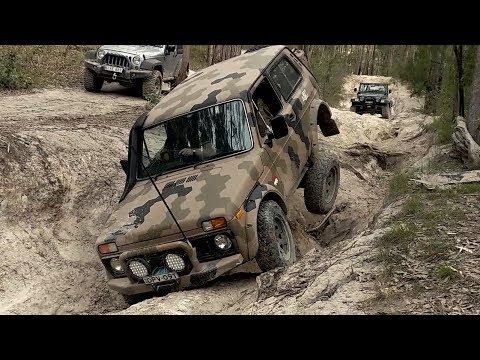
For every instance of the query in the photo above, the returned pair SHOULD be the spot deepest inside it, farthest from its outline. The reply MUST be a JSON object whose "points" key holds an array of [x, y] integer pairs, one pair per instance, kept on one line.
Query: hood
{"points": [[193, 195], [140, 50]]}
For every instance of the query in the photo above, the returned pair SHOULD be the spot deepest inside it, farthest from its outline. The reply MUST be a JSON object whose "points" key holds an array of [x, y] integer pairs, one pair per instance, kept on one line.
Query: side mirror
{"points": [[125, 166], [354, 89], [279, 127], [389, 91]]}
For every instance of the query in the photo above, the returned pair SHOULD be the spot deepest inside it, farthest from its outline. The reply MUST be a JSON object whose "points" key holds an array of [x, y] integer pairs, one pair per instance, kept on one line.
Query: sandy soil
{"points": [[59, 153]]}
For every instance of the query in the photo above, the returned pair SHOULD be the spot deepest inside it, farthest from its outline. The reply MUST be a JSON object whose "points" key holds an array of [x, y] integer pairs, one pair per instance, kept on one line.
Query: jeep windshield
{"points": [[380, 88], [200, 136]]}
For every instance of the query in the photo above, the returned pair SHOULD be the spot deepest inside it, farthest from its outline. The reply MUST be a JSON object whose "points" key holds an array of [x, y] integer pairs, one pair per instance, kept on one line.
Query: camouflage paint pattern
{"points": [[222, 188]]}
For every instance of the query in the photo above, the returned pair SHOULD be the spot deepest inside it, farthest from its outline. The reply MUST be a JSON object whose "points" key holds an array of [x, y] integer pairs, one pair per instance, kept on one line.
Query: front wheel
{"points": [[152, 85], [276, 247], [386, 112], [91, 82], [322, 181]]}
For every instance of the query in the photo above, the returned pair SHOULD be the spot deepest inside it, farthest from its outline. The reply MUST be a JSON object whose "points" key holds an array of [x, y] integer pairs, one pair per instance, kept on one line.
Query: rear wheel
{"points": [[276, 247], [91, 82], [322, 181]]}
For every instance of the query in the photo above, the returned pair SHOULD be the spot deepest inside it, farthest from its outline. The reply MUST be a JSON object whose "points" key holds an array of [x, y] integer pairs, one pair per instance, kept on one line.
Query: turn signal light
{"points": [[213, 224], [107, 248]]}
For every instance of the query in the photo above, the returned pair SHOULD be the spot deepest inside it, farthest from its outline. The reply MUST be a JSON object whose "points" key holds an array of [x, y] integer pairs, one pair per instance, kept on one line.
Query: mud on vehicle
{"points": [[372, 98], [210, 171], [148, 68]]}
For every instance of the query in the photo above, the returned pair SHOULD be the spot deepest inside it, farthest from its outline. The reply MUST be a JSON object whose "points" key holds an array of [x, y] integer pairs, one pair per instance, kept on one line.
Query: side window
{"points": [[268, 105], [285, 77]]}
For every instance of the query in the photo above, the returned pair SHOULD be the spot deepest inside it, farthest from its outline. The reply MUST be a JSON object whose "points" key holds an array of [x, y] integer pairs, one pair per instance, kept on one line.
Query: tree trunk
{"points": [[434, 79], [473, 121], [367, 61], [465, 146], [360, 63], [184, 66], [373, 60], [458, 50], [223, 52]]}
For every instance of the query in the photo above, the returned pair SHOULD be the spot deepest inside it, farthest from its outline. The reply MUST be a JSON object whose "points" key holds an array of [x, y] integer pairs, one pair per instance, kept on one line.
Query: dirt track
{"points": [[59, 152]]}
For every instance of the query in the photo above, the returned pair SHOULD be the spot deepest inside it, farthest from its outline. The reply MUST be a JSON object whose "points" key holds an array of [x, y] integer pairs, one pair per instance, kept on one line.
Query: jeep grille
{"points": [[116, 60]]}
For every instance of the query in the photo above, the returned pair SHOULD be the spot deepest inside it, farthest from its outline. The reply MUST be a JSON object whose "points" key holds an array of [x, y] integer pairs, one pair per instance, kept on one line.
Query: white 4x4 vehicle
{"points": [[146, 67]]}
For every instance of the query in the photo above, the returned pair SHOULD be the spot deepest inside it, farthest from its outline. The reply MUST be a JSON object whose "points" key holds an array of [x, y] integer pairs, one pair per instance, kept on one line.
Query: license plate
{"points": [[113, 68], [155, 279]]}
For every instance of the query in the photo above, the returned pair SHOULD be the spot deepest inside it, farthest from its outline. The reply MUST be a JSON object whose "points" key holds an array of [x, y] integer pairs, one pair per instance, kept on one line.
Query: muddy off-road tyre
{"points": [[152, 85], [353, 109], [91, 82], [386, 112], [276, 247], [321, 182]]}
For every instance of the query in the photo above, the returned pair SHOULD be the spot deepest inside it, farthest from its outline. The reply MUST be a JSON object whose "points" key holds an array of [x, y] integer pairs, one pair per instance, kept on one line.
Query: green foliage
{"points": [[330, 68], [12, 75]]}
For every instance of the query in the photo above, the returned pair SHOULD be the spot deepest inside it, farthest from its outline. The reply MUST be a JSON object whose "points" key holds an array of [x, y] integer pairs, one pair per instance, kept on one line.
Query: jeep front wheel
{"points": [[386, 112], [276, 247], [91, 81], [152, 85], [322, 181]]}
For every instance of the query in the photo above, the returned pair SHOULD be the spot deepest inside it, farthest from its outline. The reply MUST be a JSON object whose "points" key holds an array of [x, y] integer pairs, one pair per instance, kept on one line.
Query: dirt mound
{"points": [[60, 179]]}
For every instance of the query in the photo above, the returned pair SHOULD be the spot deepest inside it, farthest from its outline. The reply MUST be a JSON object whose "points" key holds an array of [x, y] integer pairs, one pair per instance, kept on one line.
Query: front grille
{"points": [[207, 250], [117, 60]]}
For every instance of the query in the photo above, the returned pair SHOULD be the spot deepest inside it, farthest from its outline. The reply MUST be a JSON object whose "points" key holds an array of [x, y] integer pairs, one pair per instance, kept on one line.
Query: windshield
{"points": [[196, 137], [373, 88]]}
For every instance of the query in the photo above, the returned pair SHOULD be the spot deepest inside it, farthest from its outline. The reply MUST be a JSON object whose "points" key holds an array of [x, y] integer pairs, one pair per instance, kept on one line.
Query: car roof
{"points": [[226, 80]]}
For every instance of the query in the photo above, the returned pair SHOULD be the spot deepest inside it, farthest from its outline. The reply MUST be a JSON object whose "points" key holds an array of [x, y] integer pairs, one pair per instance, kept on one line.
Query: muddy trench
{"points": [[59, 152]]}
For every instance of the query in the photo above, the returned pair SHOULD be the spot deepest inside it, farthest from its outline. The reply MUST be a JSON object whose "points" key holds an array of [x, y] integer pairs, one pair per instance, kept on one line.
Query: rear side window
{"points": [[285, 77]]}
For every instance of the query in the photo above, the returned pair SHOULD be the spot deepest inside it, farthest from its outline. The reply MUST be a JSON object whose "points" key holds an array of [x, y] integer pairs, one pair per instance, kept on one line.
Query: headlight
{"points": [[101, 54], [223, 242], [353, 99], [383, 100], [361, 98], [107, 248], [175, 262], [138, 267], [212, 224], [115, 264], [137, 60]]}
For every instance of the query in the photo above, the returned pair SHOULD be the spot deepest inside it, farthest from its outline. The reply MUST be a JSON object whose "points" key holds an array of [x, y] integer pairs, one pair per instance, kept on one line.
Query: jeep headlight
{"points": [[137, 60], [383, 100], [361, 98], [101, 54]]}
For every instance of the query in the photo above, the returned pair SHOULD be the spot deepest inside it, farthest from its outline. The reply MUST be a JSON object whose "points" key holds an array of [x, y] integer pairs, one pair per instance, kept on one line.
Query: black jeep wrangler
{"points": [[372, 98]]}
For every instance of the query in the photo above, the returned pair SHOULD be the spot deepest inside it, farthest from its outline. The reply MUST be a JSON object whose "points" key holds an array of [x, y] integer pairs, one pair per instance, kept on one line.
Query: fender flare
{"points": [[323, 115], [152, 64]]}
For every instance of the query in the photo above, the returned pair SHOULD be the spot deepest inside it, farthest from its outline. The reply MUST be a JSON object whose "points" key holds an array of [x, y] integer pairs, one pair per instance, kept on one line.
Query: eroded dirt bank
{"points": [[59, 152]]}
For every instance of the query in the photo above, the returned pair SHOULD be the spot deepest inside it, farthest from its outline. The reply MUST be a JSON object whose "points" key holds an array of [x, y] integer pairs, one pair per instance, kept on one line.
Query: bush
{"points": [[12, 75]]}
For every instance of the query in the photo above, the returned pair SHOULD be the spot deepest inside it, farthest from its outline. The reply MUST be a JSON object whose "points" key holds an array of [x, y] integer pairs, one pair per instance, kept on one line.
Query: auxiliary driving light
{"points": [[223, 242], [175, 262], [213, 224], [138, 268]]}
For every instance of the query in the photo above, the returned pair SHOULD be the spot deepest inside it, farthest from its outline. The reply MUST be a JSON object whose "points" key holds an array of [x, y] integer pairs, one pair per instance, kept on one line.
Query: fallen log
{"points": [[464, 145]]}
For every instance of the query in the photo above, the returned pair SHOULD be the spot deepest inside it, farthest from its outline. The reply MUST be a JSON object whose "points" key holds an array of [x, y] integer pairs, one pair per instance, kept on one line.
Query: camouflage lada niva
{"points": [[225, 149]]}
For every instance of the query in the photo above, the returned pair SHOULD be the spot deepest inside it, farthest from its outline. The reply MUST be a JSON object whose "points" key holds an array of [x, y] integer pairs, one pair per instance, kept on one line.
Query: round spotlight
{"points": [[175, 262], [138, 268], [223, 242], [115, 265]]}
